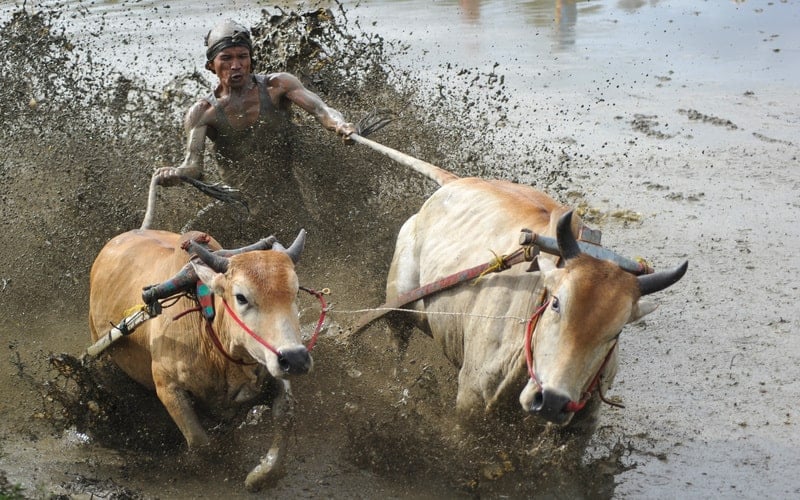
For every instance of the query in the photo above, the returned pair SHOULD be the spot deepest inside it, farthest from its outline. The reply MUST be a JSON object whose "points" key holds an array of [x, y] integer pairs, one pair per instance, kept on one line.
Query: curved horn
{"points": [[215, 262], [295, 249], [567, 244], [262, 244], [651, 283]]}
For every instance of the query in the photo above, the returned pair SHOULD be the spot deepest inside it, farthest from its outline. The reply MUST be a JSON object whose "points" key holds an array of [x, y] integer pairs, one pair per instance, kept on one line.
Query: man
{"points": [[247, 116]]}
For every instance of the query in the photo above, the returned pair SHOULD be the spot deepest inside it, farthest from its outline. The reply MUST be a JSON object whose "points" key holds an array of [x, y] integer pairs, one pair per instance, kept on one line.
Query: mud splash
{"points": [[82, 142], [85, 141]]}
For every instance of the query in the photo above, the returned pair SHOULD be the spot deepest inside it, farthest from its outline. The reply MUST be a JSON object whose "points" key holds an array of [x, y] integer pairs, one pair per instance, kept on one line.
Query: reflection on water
{"points": [[572, 43], [557, 40], [558, 17], [470, 10], [566, 17]]}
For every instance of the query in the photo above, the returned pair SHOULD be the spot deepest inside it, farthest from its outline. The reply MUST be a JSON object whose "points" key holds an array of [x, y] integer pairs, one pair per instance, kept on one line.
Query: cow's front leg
{"points": [[271, 466], [180, 408]]}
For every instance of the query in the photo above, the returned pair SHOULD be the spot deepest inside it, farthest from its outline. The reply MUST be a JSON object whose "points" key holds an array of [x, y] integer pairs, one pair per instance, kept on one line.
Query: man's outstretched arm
{"points": [[295, 92], [195, 128]]}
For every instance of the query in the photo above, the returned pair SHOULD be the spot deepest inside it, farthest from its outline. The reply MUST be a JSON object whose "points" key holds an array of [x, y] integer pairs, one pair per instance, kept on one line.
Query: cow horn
{"points": [[295, 249], [651, 283], [262, 244], [215, 262], [567, 244]]}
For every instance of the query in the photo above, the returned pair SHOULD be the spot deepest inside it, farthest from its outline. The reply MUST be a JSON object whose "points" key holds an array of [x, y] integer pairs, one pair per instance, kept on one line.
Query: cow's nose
{"points": [[549, 404], [294, 361]]}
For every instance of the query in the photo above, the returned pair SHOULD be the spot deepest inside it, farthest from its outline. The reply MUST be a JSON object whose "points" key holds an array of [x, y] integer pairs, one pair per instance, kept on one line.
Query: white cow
{"points": [[481, 327]]}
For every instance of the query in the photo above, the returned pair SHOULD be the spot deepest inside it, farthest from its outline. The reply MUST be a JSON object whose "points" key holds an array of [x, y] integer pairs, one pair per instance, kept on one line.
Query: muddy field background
{"points": [[669, 169]]}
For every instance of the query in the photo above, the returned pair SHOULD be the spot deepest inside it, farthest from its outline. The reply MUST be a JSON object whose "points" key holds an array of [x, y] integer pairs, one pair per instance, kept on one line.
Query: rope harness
{"points": [[138, 314], [167, 293], [218, 344], [500, 263], [526, 253], [572, 406]]}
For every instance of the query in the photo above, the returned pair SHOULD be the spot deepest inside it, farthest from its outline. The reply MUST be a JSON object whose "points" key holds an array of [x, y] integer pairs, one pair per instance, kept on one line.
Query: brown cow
{"points": [[176, 357], [481, 328]]}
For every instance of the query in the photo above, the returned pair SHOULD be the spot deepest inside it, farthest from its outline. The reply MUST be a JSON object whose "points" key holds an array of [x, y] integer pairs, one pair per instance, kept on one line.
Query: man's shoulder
{"points": [[202, 105], [280, 79], [201, 112], [204, 102]]}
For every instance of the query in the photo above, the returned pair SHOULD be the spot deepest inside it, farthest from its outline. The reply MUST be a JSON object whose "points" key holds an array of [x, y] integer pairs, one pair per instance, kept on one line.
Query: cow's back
{"points": [[471, 216], [127, 264]]}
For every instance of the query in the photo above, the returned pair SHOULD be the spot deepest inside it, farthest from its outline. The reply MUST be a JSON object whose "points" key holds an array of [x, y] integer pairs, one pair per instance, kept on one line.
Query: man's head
{"points": [[227, 34]]}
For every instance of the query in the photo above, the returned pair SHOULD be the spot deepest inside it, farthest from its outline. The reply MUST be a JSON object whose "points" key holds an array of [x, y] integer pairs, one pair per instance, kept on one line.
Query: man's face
{"points": [[232, 65]]}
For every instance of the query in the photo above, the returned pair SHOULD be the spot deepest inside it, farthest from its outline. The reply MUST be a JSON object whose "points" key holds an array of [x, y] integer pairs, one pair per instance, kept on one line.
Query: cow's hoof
{"points": [[265, 473]]}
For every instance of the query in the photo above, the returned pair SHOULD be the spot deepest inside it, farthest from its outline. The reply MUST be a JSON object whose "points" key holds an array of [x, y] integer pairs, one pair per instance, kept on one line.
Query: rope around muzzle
{"points": [[572, 406], [311, 343], [218, 344]]}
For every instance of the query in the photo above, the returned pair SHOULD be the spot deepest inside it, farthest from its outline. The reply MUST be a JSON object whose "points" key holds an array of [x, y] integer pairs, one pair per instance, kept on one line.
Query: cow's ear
{"points": [[642, 309], [213, 279]]}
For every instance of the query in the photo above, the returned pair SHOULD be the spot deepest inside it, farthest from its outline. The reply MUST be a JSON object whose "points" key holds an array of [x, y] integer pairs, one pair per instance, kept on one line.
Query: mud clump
{"points": [[694, 115], [648, 125], [77, 168], [93, 397]]}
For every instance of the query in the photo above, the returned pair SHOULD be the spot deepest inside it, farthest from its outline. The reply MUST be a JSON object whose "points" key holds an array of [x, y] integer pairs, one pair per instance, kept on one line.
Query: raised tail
{"points": [[218, 191]]}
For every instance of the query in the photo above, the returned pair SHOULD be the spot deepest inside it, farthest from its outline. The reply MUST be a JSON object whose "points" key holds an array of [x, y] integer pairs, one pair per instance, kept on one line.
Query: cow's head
{"points": [[589, 302], [261, 317]]}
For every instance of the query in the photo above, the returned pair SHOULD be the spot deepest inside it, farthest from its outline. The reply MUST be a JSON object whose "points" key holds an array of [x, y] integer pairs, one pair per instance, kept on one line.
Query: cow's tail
{"points": [[150, 213], [217, 191], [437, 174]]}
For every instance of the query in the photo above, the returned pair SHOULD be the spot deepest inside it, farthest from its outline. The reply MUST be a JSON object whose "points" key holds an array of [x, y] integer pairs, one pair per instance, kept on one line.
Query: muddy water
{"points": [[674, 124]]}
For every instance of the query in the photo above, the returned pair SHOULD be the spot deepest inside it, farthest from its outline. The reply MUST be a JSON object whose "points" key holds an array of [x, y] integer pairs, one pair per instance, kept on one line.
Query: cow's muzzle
{"points": [[294, 361], [552, 406]]}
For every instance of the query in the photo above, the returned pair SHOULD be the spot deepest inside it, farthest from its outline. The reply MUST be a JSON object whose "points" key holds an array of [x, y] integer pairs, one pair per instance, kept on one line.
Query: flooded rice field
{"points": [[671, 125]]}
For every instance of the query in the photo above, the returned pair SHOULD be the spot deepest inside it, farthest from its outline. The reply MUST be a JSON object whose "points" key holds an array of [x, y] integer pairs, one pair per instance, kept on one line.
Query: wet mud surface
{"points": [[709, 380]]}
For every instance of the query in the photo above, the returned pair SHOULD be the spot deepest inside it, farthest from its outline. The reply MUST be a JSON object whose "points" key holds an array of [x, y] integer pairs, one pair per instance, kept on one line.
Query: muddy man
{"points": [[247, 114]]}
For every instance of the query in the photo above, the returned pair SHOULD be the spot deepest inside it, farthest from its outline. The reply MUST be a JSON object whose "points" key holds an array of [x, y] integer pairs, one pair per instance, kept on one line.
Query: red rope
{"points": [[266, 344], [530, 327], [247, 329], [218, 344], [212, 335], [572, 406], [321, 320]]}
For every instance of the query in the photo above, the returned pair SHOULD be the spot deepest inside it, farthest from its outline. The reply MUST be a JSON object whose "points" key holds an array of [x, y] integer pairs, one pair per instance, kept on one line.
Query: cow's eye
{"points": [[241, 299], [555, 305]]}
